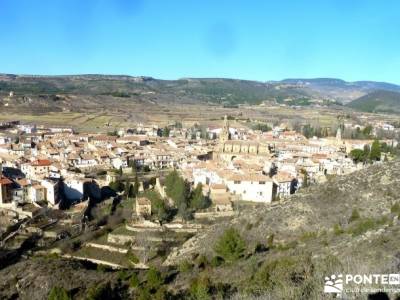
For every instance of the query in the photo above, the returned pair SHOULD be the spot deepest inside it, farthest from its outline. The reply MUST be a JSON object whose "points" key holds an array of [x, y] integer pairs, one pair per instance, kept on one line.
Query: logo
{"points": [[394, 278], [334, 284]]}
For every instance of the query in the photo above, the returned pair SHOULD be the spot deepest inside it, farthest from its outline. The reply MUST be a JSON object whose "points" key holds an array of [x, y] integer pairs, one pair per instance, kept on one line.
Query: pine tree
{"points": [[375, 153], [59, 293], [230, 246], [198, 201]]}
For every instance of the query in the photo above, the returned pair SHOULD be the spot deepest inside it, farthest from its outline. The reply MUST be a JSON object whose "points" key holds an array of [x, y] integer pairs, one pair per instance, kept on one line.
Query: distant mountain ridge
{"points": [[211, 90]]}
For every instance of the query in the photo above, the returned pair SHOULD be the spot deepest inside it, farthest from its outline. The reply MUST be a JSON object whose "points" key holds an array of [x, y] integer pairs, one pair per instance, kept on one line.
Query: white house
{"points": [[251, 187], [73, 188], [51, 190]]}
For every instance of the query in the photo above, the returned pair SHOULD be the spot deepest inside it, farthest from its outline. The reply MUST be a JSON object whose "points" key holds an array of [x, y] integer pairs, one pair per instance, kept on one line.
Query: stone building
{"points": [[229, 149]]}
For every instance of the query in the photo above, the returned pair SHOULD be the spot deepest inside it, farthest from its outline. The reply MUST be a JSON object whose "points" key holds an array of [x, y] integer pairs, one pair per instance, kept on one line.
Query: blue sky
{"points": [[169, 39]]}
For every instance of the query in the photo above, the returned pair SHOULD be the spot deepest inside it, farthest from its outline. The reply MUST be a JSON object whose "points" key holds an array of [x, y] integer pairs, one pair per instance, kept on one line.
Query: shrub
{"points": [[308, 235], [260, 247], [185, 267], [281, 273], [144, 294], [123, 275], [202, 261], [154, 278], [337, 229], [270, 241], [200, 289], [216, 261], [102, 268], [99, 292], [59, 293], [355, 215], [132, 257], [230, 246], [366, 224], [134, 281], [76, 245], [395, 208], [249, 226], [287, 246]]}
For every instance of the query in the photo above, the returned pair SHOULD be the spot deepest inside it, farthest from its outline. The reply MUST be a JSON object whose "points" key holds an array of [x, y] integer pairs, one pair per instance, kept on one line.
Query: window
{"points": [[237, 182], [261, 182]]}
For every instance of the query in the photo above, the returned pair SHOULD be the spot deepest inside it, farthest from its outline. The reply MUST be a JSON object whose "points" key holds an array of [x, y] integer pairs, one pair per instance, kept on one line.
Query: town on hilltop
{"points": [[130, 197]]}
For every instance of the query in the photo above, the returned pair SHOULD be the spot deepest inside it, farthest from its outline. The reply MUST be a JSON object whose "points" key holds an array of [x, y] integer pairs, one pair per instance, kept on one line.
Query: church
{"points": [[229, 149]]}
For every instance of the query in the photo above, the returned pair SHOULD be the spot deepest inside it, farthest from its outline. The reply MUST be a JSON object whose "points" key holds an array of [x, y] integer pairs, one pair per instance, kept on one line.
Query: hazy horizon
{"points": [[252, 40]]}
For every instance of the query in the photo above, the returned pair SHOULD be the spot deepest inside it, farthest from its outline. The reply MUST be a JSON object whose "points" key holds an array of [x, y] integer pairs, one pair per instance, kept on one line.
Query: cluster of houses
{"points": [[41, 164]]}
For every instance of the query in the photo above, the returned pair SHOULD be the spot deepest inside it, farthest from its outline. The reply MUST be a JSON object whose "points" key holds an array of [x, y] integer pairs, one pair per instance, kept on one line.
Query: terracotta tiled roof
{"points": [[41, 163], [5, 180]]}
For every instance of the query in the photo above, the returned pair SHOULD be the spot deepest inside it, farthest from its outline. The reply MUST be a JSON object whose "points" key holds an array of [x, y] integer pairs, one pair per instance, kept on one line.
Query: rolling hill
{"points": [[61, 92], [378, 101]]}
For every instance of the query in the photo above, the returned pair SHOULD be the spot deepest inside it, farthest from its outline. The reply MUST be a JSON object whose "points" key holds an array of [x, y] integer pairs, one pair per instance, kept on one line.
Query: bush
{"points": [[249, 226], [200, 289], [364, 225], [76, 245], [101, 268], [132, 257], [134, 281], [354, 215], [154, 278], [270, 241], [260, 247], [117, 186], [282, 273], [123, 275], [99, 292], [308, 235], [230, 246], [185, 267], [59, 293], [287, 246], [216, 261], [337, 229], [395, 208], [202, 261]]}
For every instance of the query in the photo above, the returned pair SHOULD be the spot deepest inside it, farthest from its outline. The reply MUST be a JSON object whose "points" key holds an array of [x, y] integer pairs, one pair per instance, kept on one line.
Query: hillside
{"points": [[342, 90], [378, 101], [228, 91], [347, 225], [42, 90], [316, 230]]}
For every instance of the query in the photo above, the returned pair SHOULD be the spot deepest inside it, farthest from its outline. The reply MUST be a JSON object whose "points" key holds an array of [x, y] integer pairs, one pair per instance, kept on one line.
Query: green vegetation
{"points": [[278, 274], [309, 131], [99, 292], [367, 154], [117, 186], [355, 215], [337, 229], [176, 188], [197, 199], [365, 224], [185, 200], [58, 293], [378, 101], [395, 209], [200, 288], [230, 246], [185, 266], [158, 206], [153, 278], [132, 257], [134, 281], [261, 127]]}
